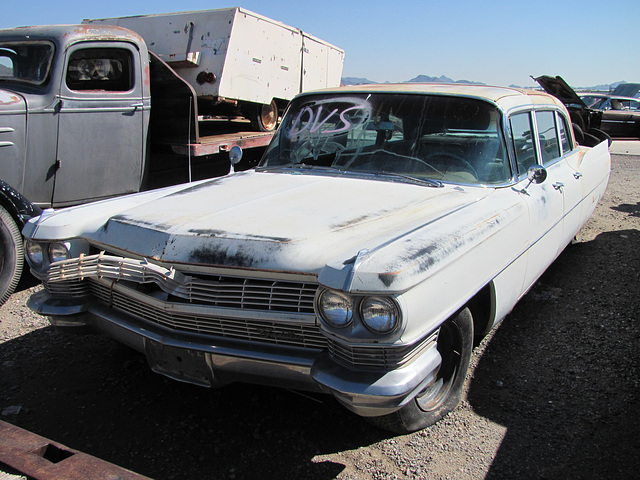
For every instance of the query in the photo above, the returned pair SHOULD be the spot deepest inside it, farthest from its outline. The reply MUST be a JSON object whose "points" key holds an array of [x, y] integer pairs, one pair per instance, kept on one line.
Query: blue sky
{"points": [[498, 42]]}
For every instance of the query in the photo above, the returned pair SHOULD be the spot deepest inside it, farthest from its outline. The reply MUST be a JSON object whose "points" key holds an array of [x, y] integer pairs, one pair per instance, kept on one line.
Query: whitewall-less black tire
{"points": [[455, 345], [11, 255]]}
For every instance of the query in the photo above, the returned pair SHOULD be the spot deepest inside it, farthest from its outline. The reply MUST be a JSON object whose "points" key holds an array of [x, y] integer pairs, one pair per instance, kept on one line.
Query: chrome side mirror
{"points": [[235, 155], [537, 174]]}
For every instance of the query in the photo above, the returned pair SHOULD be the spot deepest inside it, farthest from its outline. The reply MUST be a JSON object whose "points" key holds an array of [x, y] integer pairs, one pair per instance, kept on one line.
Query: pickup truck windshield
{"points": [[26, 62], [435, 137]]}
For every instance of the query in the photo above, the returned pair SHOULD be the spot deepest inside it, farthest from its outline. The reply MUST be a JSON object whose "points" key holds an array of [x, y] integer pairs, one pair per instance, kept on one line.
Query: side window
{"points": [[547, 136], [522, 132], [7, 63], [106, 69], [564, 134], [27, 62]]}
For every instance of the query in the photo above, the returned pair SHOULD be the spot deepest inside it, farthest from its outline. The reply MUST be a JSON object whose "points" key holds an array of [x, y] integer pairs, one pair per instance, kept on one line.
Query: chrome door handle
{"points": [[558, 185], [577, 175]]}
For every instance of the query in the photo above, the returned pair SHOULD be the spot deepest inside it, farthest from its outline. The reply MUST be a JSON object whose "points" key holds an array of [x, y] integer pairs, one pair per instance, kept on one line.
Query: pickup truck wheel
{"points": [[11, 255], [264, 117], [455, 344]]}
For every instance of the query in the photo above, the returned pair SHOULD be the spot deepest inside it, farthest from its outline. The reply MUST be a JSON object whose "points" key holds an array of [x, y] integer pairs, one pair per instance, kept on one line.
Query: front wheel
{"points": [[455, 345], [11, 255]]}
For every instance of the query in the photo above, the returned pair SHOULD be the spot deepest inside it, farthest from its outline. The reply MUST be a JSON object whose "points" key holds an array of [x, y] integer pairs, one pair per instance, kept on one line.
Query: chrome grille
{"points": [[109, 277], [217, 290], [276, 333], [74, 288], [378, 357]]}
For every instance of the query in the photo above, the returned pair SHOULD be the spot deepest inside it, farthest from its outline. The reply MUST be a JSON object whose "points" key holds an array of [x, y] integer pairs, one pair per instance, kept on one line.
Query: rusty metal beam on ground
{"points": [[41, 459]]}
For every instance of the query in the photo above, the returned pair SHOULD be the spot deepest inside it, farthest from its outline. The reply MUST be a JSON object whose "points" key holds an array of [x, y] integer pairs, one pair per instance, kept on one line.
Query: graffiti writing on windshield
{"points": [[330, 117], [316, 127]]}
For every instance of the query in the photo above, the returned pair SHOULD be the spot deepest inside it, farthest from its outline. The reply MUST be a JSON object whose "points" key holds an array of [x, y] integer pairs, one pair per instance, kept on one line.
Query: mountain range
{"points": [[445, 79]]}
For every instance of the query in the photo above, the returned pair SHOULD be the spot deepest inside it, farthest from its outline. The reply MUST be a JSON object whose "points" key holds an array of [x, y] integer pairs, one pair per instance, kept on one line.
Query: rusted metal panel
{"points": [[42, 459]]}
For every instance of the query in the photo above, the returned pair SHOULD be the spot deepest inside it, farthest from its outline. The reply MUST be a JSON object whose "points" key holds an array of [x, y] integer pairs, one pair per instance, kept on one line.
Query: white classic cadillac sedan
{"points": [[385, 230]]}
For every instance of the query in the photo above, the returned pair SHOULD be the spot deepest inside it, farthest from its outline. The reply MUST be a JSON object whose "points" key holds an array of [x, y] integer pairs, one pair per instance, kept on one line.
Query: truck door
{"points": [[100, 130]]}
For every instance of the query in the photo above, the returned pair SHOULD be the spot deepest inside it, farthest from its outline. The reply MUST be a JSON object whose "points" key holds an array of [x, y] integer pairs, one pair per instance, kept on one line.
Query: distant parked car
{"points": [[386, 228], [620, 115]]}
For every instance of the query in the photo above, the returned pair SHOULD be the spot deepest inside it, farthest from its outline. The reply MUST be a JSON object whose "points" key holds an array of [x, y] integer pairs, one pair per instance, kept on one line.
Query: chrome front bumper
{"points": [[191, 358]]}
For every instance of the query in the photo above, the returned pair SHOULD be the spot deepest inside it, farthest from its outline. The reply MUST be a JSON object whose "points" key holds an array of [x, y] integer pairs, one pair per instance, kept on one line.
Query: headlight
{"points": [[335, 308], [34, 252], [58, 252], [379, 314]]}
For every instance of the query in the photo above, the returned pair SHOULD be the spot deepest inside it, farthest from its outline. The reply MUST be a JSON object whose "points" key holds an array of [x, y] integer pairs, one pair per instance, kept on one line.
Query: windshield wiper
{"points": [[301, 166], [418, 181]]}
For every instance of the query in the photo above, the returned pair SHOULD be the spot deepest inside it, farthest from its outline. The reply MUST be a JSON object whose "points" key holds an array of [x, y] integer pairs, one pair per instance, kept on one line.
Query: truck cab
{"points": [[74, 112]]}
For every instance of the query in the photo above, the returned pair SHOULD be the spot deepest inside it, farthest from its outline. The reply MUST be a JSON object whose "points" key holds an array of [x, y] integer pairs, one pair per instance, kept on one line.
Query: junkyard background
{"points": [[552, 393]]}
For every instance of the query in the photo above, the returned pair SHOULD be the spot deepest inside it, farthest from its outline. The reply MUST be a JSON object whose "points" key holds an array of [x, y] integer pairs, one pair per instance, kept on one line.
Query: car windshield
{"points": [[423, 137], [26, 62]]}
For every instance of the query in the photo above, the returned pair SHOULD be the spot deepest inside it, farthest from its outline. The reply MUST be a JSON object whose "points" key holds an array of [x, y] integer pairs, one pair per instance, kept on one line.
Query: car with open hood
{"points": [[586, 121], [384, 231]]}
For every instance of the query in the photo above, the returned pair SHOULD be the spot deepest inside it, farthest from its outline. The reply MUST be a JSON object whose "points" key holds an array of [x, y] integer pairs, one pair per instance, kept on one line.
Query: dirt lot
{"points": [[552, 393]]}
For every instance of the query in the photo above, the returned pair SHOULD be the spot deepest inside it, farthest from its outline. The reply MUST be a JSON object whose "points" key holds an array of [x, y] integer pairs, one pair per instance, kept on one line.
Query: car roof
{"points": [[506, 98]]}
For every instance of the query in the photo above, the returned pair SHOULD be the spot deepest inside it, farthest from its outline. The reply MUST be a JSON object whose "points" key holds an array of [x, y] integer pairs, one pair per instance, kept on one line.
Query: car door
{"points": [[545, 200], [617, 119], [555, 151], [100, 145]]}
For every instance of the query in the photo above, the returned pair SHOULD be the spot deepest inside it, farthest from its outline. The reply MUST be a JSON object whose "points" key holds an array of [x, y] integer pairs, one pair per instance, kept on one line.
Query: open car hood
{"points": [[560, 89], [627, 89]]}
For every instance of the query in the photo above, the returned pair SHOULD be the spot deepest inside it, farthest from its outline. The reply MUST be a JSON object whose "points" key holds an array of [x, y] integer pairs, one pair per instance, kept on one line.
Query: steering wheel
{"points": [[308, 149], [349, 164], [446, 156]]}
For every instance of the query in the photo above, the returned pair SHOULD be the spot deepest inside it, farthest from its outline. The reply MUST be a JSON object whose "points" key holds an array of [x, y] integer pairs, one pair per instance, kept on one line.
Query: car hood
{"points": [[627, 89], [560, 89], [300, 224]]}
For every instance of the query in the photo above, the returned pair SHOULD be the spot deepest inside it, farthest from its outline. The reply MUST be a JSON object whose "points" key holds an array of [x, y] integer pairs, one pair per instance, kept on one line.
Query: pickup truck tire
{"points": [[11, 255], [455, 344], [264, 118]]}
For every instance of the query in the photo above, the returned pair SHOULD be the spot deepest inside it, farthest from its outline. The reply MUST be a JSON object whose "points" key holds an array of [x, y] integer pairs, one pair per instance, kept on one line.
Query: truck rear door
{"points": [[101, 123]]}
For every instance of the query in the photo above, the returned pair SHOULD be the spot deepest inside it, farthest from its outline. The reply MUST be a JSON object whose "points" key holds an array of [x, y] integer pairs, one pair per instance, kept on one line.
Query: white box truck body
{"points": [[236, 58]]}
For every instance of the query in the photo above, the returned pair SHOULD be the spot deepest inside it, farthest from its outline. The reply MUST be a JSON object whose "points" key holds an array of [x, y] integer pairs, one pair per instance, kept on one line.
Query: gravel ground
{"points": [[552, 393]]}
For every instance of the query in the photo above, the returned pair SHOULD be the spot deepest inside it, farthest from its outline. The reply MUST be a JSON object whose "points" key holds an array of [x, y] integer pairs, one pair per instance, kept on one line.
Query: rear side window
{"points": [[106, 69], [522, 132], [548, 137], [564, 134]]}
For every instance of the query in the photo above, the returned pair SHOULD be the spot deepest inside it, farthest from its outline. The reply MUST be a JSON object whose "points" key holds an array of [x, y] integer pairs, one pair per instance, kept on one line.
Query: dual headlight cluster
{"points": [[380, 315], [39, 254]]}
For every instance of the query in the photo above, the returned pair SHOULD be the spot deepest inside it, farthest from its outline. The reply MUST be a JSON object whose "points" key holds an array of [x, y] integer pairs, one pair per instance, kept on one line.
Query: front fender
{"points": [[13, 124]]}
